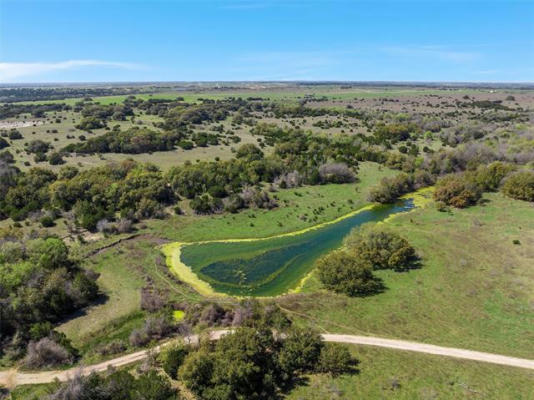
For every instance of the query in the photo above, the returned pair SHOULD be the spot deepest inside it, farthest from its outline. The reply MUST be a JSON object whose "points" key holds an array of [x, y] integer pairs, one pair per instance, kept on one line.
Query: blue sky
{"points": [[208, 40]]}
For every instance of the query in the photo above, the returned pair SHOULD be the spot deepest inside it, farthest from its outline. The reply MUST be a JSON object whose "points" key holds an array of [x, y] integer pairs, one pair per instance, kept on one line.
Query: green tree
{"points": [[335, 359], [347, 274], [51, 253], [381, 248], [300, 351], [172, 358], [520, 186]]}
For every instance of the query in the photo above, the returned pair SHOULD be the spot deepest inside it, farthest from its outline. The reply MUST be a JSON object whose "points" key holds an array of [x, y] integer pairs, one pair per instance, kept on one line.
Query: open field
{"points": [[474, 281], [337, 200], [288, 93], [390, 374]]}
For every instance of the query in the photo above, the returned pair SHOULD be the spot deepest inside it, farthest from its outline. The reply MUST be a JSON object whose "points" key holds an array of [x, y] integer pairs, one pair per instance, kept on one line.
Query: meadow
{"points": [[391, 374], [275, 265], [473, 290]]}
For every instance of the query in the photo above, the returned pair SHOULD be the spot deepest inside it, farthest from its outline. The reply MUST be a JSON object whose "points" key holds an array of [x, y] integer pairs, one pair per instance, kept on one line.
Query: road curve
{"points": [[13, 378]]}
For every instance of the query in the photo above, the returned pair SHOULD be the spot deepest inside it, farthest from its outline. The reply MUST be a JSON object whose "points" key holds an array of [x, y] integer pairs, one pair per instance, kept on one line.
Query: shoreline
{"points": [[172, 251]]}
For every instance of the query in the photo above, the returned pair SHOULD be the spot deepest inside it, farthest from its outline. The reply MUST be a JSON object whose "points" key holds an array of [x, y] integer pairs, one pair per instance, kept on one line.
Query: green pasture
{"points": [[402, 375], [295, 211], [475, 289]]}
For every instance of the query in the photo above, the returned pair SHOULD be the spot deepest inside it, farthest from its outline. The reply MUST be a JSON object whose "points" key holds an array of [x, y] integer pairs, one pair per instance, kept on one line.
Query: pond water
{"points": [[270, 267]]}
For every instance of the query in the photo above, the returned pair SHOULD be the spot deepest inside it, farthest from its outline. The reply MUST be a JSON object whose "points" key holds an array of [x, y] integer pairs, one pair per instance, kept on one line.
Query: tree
{"points": [[51, 253], [3, 143], [520, 186], [381, 248], [347, 274], [300, 351], [56, 158], [390, 189], [489, 177], [249, 152], [172, 358], [335, 359], [457, 190], [241, 365], [336, 173]]}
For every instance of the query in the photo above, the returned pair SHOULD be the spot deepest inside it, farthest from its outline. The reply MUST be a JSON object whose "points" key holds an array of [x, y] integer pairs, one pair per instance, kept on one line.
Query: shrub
{"points": [[172, 358], [390, 189], [46, 353], [335, 359], [381, 248], [155, 328], [336, 173], [520, 186], [457, 190], [15, 134], [114, 386], [152, 300], [300, 351], [90, 123], [489, 177], [38, 146], [205, 204], [115, 347], [347, 274], [47, 221], [55, 158]]}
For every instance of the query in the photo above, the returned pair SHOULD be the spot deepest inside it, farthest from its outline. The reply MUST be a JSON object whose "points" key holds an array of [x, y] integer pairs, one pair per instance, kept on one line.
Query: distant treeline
{"points": [[11, 95]]}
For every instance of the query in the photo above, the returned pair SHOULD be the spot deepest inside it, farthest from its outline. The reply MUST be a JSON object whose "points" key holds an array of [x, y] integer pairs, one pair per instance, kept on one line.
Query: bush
{"points": [[155, 328], [15, 134], [300, 351], [335, 359], [336, 173], [520, 186], [457, 190], [390, 189], [118, 385], [241, 365], [152, 300], [46, 353], [381, 248], [115, 347], [3, 143], [56, 158], [489, 177], [38, 146], [173, 358], [47, 221], [205, 204], [347, 274]]}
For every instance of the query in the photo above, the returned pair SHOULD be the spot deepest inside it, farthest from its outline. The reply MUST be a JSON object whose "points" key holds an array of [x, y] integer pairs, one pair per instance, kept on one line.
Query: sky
{"points": [[266, 40]]}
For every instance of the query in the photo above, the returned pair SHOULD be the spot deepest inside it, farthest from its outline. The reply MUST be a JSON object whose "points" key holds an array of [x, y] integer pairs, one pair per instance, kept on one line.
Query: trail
{"points": [[13, 378]]}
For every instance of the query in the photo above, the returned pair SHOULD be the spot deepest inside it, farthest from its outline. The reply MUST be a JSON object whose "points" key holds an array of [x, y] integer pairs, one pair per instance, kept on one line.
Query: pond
{"points": [[273, 266]]}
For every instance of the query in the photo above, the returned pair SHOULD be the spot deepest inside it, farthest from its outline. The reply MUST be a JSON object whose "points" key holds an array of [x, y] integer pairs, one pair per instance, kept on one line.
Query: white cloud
{"points": [[10, 72]]}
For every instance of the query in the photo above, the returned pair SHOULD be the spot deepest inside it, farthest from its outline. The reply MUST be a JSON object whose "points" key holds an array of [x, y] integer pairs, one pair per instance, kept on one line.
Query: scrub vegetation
{"points": [[135, 215]]}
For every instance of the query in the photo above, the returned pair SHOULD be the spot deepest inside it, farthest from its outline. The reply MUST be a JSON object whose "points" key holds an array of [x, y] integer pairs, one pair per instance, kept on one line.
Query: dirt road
{"points": [[13, 378]]}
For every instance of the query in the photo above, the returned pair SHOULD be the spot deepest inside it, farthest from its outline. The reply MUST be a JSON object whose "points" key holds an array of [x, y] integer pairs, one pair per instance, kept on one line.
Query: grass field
{"points": [[337, 200], [272, 266], [56, 133], [274, 94], [124, 269], [391, 374], [475, 289]]}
